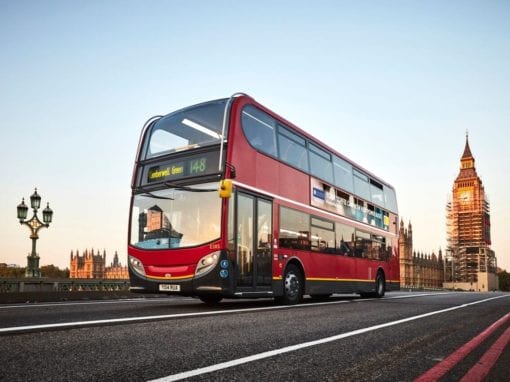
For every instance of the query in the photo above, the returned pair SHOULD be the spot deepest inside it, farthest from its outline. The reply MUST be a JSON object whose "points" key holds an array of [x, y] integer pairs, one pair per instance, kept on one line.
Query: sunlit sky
{"points": [[393, 85]]}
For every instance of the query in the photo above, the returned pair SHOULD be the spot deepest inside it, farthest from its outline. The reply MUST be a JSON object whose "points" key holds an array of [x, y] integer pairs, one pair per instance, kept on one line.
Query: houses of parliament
{"points": [[469, 263], [92, 265]]}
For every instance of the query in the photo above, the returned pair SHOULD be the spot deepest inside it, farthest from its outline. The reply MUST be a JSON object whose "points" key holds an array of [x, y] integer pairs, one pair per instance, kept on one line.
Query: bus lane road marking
{"points": [[479, 371], [79, 303], [76, 324], [287, 349], [482, 368]]}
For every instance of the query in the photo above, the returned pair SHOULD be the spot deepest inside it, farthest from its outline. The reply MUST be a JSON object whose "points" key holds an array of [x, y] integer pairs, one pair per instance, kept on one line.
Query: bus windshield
{"points": [[176, 218], [196, 126]]}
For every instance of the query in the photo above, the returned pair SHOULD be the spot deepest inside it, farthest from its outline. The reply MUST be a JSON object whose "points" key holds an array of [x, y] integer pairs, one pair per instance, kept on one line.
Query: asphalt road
{"points": [[397, 338]]}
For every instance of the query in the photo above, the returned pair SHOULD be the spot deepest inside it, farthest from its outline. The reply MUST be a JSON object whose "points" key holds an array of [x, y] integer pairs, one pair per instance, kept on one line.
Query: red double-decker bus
{"points": [[232, 201]]}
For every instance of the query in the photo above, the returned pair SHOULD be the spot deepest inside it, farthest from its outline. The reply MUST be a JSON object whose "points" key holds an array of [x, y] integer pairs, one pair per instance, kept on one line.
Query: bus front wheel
{"points": [[292, 286]]}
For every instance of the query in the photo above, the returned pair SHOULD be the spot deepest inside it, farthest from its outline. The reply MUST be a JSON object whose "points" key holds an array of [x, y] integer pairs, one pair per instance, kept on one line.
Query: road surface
{"points": [[344, 338]]}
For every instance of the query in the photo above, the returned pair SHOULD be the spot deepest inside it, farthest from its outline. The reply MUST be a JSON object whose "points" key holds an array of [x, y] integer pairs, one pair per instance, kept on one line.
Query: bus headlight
{"points": [[207, 263], [136, 265]]}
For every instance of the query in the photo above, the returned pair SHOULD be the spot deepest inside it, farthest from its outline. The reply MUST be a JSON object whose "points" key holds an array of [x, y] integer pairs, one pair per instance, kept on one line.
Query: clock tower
{"points": [[468, 227]]}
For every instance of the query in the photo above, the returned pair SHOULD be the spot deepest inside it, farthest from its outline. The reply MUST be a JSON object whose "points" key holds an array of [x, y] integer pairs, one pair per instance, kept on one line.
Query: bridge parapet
{"points": [[12, 285]]}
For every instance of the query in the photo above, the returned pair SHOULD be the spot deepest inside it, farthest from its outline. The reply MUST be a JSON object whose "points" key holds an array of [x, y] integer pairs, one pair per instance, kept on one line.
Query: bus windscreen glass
{"points": [[193, 127], [176, 218]]}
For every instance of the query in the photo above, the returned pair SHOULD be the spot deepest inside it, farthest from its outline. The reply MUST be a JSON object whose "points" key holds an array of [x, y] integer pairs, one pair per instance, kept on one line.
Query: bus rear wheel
{"points": [[292, 286], [380, 285]]}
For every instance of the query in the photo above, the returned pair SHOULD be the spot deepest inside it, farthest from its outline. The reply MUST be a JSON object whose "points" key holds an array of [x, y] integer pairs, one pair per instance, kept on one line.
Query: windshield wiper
{"points": [[175, 186], [190, 189], [142, 191], [150, 194]]}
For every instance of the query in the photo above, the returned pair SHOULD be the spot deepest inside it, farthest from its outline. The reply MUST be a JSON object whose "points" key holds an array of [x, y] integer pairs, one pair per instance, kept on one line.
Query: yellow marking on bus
{"points": [[347, 280], [330, 279]]}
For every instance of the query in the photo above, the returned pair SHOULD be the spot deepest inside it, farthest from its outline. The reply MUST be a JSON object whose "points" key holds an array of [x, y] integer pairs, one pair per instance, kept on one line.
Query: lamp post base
{"points": [[33, 269]]}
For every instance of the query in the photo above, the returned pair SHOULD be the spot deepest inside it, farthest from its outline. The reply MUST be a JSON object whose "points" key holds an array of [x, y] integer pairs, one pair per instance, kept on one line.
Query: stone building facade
{"points": [[418, 270], [92, 265], [116, 270]]}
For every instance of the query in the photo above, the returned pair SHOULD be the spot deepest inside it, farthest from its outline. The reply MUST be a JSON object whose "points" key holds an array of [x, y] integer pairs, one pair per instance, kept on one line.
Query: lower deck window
{"points": [[299, 230], [294, 229]]}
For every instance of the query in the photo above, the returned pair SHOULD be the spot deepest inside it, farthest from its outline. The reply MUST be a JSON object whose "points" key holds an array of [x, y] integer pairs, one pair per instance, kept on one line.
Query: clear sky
{"points": [[393, 85]]}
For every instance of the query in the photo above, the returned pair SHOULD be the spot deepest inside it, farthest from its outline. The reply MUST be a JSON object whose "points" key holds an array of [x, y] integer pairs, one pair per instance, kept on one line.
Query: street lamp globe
{"points": [[35, 200], [22, 210], [47, 214]]}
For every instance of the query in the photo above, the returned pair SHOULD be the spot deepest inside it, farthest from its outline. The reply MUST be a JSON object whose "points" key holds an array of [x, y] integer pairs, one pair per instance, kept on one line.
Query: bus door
{"points": [[254, 242]]}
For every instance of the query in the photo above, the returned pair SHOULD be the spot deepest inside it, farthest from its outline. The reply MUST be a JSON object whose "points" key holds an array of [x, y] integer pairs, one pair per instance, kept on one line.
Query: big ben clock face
{"points": [[466, 196]]}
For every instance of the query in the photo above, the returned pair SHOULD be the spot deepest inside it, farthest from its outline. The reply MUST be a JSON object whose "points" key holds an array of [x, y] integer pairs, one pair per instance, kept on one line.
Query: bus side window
{"points": [[323, 235], [376, 249], [294, 229], [323, 240], [259, 129], [292, 148], [345, 239], [363, 244]]}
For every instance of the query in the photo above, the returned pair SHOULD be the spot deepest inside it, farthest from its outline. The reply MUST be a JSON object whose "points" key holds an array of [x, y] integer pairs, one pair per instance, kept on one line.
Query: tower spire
{"points": [[467, 161], [467, 150]]}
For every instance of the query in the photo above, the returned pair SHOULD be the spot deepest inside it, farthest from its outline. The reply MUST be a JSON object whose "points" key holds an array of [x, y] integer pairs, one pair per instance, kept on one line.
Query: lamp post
{"points": [[35, 225]]}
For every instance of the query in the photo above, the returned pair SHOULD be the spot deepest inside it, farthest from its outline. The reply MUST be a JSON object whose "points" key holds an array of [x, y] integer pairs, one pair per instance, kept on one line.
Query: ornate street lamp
{"points": [[35, 225]]}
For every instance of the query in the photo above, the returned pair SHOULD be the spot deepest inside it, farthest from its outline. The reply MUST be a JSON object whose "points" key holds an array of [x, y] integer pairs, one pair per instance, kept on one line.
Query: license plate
{"points": [[169, 287]]}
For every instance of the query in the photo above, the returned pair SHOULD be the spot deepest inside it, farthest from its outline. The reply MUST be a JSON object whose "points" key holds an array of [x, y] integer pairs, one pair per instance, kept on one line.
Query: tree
{"points": [[51, 271], [11, 272], [504, 281]]}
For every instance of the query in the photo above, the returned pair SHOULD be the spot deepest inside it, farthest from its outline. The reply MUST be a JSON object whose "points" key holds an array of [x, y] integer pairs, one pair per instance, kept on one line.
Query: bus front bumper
{"points": [[217, 281]]}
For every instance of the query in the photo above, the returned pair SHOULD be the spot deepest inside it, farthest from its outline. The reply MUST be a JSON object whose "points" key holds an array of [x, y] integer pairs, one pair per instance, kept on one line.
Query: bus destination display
{"points": [[195, 165]]}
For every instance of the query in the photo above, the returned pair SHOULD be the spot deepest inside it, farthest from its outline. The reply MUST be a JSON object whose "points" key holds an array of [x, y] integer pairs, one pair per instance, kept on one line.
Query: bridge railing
{"points": [[13, 285]]}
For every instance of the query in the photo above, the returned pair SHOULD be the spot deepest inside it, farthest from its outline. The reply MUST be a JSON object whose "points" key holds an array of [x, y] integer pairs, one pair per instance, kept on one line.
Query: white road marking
{"points": [[17, 329], [122, 301], [287, 349]]}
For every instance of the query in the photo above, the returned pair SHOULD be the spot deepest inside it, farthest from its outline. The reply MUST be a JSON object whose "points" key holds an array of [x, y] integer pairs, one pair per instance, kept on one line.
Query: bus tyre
{"points": [[380, 285], [292, 286], [210, 299]]}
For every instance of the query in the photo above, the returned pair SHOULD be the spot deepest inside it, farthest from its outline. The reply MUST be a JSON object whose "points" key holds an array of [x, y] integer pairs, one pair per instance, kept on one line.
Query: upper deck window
{"points": [[361, 185], [195, 126], [320, 163], [376, 191], [259, 129], [343, 174], [390, 199], [292, 148], [269, 136]]}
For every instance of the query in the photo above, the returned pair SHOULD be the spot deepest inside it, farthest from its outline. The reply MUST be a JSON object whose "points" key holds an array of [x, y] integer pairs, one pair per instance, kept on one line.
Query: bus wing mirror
{"points": [[225, 189]]}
